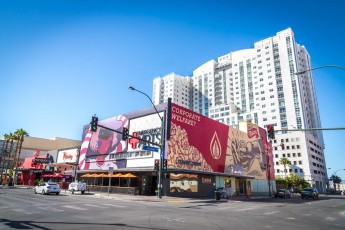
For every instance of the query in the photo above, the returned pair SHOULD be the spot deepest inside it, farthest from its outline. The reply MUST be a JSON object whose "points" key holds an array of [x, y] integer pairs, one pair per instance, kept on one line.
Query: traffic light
{"points": [[94, 123], [165, 164], [270, 132], [125, 133], [156, 164]]}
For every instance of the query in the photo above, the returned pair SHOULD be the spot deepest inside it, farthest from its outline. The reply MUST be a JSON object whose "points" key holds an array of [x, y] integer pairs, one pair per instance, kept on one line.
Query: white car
{"points": [[47, 188], [77, 186]]}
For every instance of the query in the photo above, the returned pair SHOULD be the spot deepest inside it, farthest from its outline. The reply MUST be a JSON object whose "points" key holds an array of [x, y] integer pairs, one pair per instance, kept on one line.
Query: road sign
{"points": [[150, 148]]}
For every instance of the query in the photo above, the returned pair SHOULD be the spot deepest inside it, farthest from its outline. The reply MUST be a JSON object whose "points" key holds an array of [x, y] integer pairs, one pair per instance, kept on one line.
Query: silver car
{"points": [[47, 188]]}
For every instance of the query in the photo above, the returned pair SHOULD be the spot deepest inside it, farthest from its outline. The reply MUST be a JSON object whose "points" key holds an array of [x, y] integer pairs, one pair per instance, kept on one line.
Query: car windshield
{"points": [[281, 190], [308, 189]]}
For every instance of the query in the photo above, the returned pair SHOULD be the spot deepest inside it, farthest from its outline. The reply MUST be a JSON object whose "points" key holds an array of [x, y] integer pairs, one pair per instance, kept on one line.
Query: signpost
{"points": [[110, 171], [150, 148]]}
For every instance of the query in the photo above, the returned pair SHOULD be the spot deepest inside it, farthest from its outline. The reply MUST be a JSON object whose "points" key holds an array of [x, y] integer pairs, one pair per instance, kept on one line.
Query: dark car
{"points": [[310, 193], [283, 193]]}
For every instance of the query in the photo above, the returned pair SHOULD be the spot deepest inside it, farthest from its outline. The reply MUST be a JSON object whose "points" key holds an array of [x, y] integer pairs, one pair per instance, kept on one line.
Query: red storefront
{"points": [[33, 169]]}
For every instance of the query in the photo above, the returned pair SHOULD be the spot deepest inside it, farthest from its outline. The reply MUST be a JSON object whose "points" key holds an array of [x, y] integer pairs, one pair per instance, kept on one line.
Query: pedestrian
{"points": [[229, 192], [29, 183]]}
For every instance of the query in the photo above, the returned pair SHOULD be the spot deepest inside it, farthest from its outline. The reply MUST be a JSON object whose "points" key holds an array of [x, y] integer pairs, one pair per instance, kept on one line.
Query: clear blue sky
{"points": [[63, 61]]}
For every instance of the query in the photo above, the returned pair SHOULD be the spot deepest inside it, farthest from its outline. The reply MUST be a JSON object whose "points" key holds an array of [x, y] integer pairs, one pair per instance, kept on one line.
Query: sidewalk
{"points": [[171, 199]]}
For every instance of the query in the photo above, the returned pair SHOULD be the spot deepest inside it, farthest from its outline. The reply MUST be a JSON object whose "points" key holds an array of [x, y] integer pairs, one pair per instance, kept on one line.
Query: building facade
{"points": [[259, 85], [202, 154]]}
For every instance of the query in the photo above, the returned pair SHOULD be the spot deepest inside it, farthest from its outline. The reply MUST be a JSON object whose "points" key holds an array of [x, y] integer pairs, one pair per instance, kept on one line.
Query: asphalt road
{"points": [[22, 209]]}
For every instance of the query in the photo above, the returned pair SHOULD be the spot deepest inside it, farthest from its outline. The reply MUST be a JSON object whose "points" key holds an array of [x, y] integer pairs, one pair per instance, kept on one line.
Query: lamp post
{"points": [[335, 173], [320, 67], [161, 158]]}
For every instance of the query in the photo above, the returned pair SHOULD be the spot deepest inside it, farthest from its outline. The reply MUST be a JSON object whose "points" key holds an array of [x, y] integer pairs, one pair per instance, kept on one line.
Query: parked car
{"points": [[283, 193], [310, 193], [77, 186], [47, 188]]}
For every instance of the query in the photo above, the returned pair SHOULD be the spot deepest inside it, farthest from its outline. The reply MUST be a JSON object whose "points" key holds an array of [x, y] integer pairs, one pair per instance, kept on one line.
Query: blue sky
{"points": [[63, 61]]}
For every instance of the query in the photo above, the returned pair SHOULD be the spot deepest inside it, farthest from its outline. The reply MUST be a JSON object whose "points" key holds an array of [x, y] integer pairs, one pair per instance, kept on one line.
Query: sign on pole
{"points": [[150, 148]]}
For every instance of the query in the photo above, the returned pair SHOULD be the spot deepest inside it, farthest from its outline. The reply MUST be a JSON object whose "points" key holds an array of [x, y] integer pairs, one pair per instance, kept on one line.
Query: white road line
{"points": [[21, 210], [115, 205], [271, 213], [95, 205], [50, 209], [74, 207], [244, 209], [330, 218], [175, 219]]}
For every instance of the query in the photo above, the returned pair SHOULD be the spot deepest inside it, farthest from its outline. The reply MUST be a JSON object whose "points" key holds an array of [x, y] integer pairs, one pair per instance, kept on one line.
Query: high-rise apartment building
{"points": [[259, 85]]}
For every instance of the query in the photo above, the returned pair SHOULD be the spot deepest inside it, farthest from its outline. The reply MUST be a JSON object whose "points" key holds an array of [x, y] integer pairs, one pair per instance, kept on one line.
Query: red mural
{"points": [[202, 144], [196, 142]]}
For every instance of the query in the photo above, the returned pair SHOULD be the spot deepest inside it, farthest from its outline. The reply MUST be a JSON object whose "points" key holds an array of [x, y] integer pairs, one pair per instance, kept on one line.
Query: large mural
{"points": [[196, 142], [98, 148], [202, 144], [248, 153]]}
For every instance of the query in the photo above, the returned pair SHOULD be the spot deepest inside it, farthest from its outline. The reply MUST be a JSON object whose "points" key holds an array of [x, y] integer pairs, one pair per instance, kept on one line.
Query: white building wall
{"points": [[259, 85]]}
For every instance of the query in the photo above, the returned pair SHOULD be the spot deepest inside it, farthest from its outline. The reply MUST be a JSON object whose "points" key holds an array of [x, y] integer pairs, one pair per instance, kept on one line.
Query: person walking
{"points": [[229, 192]]}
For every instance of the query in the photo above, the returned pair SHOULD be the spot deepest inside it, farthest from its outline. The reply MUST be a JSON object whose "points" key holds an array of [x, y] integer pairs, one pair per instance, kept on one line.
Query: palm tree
{"points": [[21, 133], [285, 161], [5, 153], [10, 137]]}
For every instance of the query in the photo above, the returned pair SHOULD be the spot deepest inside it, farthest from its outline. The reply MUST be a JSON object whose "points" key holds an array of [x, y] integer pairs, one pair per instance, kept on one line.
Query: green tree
{"points": [[336, 180], [11, 137], [5, 155], [285, 161], [20, 133]]}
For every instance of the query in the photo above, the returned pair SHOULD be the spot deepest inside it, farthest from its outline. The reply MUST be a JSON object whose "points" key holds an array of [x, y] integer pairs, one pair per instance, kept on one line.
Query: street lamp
{"points": [[161, 158], [324, 66], [335, 173]]}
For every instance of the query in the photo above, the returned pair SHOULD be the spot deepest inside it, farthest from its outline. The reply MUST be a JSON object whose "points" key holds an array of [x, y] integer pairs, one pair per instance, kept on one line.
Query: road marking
{"points": [[174, 219], [289, 218], [50, 209], [74, 207], [94, 205], [330, 218], [115, 205], [244, 209], [21, 210], [271, 213]]}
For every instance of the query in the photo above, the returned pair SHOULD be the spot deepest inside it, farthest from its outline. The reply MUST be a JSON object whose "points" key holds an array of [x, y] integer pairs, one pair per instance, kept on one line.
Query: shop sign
{"points": [[42, 160]]}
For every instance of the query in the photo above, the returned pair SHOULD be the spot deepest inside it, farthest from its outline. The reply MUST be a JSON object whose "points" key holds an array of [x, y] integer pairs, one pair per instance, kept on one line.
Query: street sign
{"points": [[150, 148]]}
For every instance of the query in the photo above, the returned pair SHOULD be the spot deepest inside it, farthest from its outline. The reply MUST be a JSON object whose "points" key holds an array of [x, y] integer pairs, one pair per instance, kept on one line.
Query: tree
{"points": [[10, 137], [293, 180], [5, 153], [336, 180], [21, 133], [285, 161]]}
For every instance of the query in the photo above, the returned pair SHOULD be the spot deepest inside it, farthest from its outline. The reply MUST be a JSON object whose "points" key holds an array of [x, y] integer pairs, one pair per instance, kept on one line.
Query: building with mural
{"points": [[202, 154]]}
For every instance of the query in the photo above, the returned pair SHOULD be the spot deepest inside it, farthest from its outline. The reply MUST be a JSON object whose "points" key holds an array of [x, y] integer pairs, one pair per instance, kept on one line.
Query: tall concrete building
{"points": [[259, 85]]}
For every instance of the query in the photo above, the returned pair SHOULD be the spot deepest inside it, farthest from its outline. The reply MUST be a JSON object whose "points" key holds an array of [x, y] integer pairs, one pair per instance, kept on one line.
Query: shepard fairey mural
{"points": [[249, 153], [196, 142], [98, 148]]}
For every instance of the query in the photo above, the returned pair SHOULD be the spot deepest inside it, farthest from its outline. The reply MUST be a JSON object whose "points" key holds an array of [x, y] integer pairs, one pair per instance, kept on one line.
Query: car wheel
{"points": [[57, 193], [72, 191], [43, 192], [82, 192], [35, 191]]}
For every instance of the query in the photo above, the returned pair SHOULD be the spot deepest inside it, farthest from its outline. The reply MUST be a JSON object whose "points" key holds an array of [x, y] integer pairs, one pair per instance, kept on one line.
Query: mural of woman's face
{"points": [[105, 138]]}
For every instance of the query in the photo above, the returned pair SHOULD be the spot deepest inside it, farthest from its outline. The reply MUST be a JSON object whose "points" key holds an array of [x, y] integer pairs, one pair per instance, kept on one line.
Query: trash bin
{"points": [[218, 194]]}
